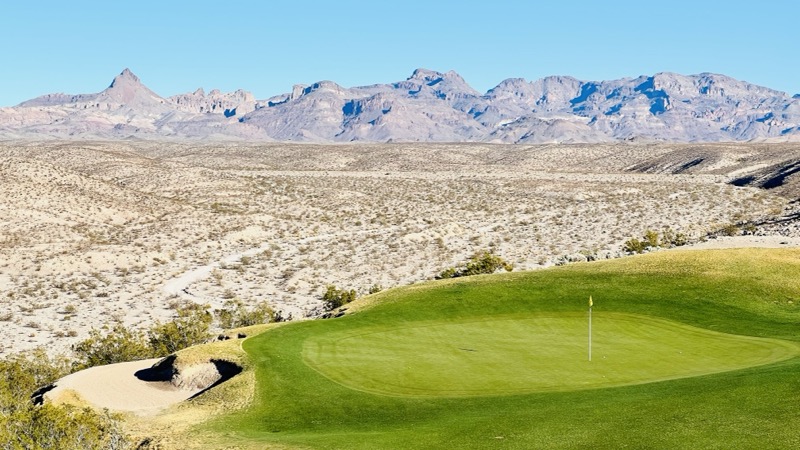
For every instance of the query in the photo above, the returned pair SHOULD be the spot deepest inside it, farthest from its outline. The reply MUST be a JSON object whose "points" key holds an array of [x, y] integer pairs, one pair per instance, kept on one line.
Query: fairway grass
{"points": [[695, 349], [540, 352]]}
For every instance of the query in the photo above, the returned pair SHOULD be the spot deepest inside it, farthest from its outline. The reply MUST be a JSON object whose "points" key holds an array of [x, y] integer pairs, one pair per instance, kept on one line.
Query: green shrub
{"points": [[23, 373], [486, 262], [651, 239], [24, 425], [335, 297], [450, 272], [60, 427], [483, 262], [670, 238], [191, 327], [235, 314], [120, 344], [117, 345], [679, 240], [634, 245], [731, 230]]}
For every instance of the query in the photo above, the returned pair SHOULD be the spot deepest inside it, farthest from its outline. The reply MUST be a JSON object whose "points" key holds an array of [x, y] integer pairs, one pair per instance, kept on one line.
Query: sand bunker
{"points": [[142, 387]]}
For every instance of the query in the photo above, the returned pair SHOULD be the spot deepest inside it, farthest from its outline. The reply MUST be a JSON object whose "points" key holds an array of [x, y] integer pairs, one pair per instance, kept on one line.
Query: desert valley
{"points": [[99, 233]]}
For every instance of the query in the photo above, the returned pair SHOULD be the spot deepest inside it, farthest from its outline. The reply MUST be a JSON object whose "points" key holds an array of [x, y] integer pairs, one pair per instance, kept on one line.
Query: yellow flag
{"points": [[590, 301]]}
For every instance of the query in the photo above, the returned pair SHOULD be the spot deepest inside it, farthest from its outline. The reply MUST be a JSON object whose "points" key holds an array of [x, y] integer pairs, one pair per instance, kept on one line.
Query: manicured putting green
{"points": [[530, 353]]}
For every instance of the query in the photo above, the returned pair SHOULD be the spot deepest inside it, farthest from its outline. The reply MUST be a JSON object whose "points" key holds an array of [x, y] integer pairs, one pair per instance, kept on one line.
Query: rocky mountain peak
{"points": [[672, 83], [510, 83], [510, 87], [324, 85], [128, 91], [432, 77], [126, 77], [446, 86], [426, 75]]}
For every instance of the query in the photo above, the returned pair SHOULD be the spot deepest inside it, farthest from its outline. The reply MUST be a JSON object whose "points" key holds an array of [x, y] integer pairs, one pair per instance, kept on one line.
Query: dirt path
{"points": [[179, 285], [745, 242]]}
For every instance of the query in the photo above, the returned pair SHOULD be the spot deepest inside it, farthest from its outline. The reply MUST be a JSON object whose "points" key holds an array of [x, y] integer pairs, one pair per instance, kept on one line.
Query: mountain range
{"points": [[428, 106]]}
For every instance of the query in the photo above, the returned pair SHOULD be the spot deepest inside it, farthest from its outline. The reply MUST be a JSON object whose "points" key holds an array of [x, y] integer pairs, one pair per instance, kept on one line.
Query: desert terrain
{"points": [[99, 233]]}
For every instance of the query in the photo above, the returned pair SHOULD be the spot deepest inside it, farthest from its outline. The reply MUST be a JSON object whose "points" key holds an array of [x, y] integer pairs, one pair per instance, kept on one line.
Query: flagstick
{"points": [[590, 333]]}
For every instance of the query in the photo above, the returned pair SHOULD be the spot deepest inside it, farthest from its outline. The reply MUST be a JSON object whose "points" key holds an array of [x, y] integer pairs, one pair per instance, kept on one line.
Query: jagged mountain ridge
{"points": [[427, 106]]}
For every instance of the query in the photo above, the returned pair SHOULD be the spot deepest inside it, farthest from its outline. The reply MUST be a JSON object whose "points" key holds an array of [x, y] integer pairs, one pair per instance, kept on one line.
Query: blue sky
{"points": [[266, 46]]}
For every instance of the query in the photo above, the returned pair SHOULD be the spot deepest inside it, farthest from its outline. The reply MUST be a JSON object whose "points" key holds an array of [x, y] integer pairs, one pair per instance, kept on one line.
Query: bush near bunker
{"points": [[191, 327], [25, 425], [120, 344]]}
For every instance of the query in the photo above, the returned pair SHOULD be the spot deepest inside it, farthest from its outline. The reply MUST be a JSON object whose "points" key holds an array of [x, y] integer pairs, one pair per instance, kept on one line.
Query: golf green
{"points": [[529, 353]]}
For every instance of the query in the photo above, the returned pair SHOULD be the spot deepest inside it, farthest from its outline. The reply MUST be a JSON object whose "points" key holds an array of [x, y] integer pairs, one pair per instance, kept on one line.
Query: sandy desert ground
{"points": [[99, 233]]}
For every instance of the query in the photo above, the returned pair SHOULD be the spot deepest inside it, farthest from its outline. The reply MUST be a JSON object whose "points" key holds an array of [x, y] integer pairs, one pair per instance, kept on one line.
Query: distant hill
{"points": [[428, 106]]}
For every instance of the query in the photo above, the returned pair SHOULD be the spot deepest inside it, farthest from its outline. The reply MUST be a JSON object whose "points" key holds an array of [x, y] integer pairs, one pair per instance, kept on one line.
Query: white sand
{"points": [[116, 388]]}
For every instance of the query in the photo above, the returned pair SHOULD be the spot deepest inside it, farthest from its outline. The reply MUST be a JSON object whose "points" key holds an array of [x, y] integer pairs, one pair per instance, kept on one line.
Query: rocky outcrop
{"points": [[195, 377], [215, 102]]}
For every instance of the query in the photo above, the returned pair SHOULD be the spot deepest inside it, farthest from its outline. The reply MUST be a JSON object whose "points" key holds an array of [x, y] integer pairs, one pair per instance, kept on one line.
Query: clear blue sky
{"points": [[266, 46]]}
